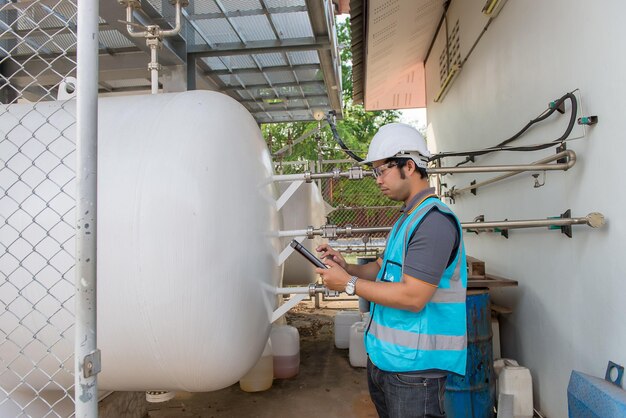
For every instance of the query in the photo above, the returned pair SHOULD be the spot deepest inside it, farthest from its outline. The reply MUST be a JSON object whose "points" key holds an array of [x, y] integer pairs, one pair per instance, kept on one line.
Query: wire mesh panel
{"points": [[357, 202], [37, 153]]}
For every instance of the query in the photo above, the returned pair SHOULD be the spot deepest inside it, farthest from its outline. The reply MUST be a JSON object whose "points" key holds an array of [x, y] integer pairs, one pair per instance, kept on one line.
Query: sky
{"points": [[414, 117]]}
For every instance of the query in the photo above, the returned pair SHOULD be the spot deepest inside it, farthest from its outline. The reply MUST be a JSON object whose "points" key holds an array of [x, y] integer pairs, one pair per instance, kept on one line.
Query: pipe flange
{"points": [[595, 220], [336, 173], [133, 4], [310, 232], [308, 177], [355, 173], [329, 231], [349, 230]]}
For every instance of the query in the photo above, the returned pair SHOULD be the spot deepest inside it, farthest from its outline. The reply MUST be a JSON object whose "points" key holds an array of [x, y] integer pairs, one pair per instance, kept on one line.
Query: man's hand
{"points": [[329, 254], [335, 277]]}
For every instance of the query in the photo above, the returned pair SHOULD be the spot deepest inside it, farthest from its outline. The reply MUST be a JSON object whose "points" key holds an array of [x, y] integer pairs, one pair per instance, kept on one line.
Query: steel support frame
{"points": [[86, 354]]}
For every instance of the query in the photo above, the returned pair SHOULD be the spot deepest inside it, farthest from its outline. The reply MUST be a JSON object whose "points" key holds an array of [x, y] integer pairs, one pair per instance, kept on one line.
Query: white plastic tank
{"points": [[187, 254], [286, 351], [304, 208], [261, 376], [343, 322], [517, 381], [357, 354]]}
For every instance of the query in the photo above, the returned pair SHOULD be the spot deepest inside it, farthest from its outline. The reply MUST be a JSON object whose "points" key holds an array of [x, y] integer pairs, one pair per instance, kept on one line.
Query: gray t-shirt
{"points": [[433, 245]]}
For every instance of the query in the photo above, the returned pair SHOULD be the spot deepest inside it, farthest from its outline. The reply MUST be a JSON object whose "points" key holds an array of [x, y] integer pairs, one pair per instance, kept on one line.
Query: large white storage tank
{"points": [[187, 247]]}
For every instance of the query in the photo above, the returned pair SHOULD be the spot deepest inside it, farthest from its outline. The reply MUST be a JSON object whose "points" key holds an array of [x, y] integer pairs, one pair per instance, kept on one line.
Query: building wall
{"points": [[569, 307]]}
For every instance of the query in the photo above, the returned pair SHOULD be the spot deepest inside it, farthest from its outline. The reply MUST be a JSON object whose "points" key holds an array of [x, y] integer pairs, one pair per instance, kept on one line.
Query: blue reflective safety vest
{"points": [[398, 340]]}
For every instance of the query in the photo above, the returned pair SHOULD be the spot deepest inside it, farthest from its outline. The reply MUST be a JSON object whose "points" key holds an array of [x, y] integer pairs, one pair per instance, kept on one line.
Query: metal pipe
{"points": [[86, 354], [154, 65], [293, 233], [540, 165], [593, 219], [536, 166], [172, 32], [130, 5], [357, 173], [301, 290], [310, 290]]}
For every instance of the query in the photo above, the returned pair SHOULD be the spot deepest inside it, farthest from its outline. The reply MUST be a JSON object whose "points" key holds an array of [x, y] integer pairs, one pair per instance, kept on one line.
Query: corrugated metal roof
{"points": [[293, 25], [253, 28], [270, 60], [256, 51], [300, 58]]}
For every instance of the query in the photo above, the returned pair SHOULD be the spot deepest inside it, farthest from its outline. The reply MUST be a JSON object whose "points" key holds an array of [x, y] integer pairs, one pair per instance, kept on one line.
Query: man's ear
{"points": [[410, 166]]}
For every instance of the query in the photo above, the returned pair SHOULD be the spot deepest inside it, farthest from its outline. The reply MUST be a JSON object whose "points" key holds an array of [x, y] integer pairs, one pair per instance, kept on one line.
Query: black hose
{"points": [[502, 145], [331, 122]]}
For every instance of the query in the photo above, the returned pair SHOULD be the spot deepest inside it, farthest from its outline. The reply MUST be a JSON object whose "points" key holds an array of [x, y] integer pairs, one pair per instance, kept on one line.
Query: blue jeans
{"points": [[405, 395]]}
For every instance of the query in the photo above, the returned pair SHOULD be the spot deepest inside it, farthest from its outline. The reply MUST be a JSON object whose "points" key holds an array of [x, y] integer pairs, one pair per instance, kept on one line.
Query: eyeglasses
{"points": [[381, 169]]}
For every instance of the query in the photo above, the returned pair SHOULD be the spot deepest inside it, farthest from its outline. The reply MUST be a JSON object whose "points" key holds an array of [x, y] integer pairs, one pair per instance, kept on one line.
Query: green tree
{"points": [[356, 129]]}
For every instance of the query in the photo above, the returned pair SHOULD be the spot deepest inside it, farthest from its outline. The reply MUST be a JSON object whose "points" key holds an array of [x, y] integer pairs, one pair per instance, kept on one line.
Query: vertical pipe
{"points": [[85, 343], [154, 68]]}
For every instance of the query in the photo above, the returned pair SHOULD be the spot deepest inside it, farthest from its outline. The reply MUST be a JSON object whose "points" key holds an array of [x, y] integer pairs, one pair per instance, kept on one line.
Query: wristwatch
{"points": [[351, 286]]}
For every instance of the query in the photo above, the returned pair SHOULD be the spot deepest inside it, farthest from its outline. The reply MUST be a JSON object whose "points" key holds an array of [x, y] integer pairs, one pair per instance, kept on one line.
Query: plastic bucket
{"points": [[473, 395]]}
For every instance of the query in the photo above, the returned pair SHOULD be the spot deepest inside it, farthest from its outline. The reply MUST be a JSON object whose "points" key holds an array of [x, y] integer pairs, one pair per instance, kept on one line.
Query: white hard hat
{"points": [[398, 140]]}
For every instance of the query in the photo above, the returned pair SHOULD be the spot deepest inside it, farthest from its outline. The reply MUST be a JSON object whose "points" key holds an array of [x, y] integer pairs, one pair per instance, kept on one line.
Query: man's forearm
{"points": [[367, 271]]}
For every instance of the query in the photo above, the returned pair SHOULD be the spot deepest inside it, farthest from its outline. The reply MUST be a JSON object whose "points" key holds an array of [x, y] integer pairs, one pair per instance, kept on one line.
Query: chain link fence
{"points": [[37, 170], [358, 203]]}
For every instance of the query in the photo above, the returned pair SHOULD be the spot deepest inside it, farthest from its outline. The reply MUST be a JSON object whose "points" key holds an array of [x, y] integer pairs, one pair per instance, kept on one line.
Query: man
{"points": [[417, 329]]}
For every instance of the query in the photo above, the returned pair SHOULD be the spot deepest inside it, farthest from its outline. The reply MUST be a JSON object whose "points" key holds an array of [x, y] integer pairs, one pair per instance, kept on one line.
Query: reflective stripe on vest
{"points": [[418, 341]]}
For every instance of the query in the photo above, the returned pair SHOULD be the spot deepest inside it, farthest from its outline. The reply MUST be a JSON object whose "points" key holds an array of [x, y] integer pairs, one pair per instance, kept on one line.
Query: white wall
{"points": [[569, 308]]}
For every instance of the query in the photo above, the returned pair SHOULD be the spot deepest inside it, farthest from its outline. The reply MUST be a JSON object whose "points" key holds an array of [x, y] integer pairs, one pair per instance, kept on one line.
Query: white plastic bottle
{"points": [[343, 322], [286, 351], [260, 377], [357, 354]]}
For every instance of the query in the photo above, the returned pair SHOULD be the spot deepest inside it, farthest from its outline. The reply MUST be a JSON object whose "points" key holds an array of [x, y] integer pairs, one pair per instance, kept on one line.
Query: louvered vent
{"points": [[451, 55]]}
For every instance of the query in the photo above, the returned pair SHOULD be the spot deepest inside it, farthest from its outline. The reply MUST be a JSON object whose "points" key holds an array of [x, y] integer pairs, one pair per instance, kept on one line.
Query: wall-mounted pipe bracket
{"points": [[588, 120], [619, 374], [565, 229]]}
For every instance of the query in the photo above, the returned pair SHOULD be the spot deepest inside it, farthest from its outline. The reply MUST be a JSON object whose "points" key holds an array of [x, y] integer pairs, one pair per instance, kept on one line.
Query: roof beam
{"points": [[253, 71], [260, 47], [239, 13], [266, 86], [328, 60], [287, 98]]}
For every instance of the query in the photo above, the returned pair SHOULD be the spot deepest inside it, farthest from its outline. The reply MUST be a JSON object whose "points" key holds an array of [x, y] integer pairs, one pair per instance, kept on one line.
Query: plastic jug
{"points": [[260, 377], [343, 322], [286, 351], [357, 354]]}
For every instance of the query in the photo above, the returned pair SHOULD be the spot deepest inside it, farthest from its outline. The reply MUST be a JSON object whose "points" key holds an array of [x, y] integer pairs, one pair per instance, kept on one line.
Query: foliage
{"points": [[356, 130]]}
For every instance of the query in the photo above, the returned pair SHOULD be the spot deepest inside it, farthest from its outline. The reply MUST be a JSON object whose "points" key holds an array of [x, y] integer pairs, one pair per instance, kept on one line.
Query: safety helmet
{"points": [[398, 140]]}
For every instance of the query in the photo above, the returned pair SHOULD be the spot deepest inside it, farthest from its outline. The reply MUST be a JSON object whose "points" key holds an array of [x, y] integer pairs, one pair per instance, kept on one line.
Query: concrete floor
{"points": [[326, 386]]}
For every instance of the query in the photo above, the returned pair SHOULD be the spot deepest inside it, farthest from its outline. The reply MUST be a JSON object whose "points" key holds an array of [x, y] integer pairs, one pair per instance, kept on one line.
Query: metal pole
{"points": [[86, 355], [594, 220]]}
